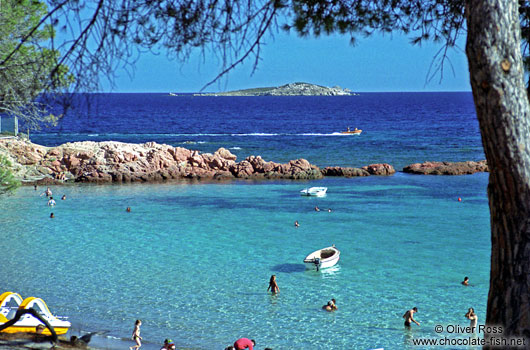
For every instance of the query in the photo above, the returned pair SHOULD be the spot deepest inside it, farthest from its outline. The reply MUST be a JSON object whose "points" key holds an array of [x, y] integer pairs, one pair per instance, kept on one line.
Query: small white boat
{"points": [[11, 302], [314, 191], [322, 258]]}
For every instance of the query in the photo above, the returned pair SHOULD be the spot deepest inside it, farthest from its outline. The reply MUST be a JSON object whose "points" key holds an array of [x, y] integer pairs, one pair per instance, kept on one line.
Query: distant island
{"points": [[293, 89]]}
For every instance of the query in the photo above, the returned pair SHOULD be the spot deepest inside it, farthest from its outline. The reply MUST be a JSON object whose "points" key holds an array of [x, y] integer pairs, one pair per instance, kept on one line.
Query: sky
{"points": [[378, 63]]}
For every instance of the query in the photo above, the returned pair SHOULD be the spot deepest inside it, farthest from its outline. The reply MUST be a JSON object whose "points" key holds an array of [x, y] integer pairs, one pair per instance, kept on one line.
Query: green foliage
{"points": [[28, 67], [8, 183]]}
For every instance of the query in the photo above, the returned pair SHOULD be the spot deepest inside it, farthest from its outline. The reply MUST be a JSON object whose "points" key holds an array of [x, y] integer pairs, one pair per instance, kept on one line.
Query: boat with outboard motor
{"points": [[322, 258], [314, 191], [352, 132]]}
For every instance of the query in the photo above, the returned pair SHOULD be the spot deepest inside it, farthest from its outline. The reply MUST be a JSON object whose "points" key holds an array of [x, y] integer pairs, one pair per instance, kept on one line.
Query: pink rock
{"points": [[84, 155], [301, 164], [380, 169], [447, 168], [225, 154]]}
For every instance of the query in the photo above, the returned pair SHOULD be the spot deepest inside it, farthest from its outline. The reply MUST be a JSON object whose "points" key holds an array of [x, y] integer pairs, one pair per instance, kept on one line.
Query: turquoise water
{"points": [[193, 260]]}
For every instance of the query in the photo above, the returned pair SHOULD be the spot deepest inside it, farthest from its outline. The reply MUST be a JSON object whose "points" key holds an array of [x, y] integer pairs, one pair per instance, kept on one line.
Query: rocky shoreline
{"points": [[118, 162]]}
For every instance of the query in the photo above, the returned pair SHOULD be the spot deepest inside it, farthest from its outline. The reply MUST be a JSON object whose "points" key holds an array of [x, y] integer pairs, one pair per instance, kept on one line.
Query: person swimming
{"points": [[465, 282], [330, 306]]}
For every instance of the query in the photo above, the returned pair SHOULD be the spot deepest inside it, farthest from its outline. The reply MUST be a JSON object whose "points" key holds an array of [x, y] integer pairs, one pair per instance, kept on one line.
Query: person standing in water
{"points": [[273, 286], [136, 335], [472, 318], [409, 317], [47, 193]]}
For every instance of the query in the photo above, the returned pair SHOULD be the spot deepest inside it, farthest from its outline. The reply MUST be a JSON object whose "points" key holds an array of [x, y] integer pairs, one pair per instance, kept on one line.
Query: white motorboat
{"points": [[322, 258], [11, 302], [314, 191]]}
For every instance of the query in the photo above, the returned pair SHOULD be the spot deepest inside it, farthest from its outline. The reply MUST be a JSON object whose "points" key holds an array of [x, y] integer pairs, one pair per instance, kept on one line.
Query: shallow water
{"points": [[193, 260]]}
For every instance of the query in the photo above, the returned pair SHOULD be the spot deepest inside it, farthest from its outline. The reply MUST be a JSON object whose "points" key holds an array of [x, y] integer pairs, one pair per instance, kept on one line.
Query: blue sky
{"points": [[374, 64]]}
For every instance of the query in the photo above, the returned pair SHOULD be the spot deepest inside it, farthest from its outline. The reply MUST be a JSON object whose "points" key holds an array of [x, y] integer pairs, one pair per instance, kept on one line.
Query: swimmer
{"points": [[128, 209], [51, 202], [52, 216], [330, 306], [465, 282], [136, 335], [63, 197], [329, 210], [408, 316], [47, 193], [35, 187], [296, 224], [317, 209], [273, 285]]}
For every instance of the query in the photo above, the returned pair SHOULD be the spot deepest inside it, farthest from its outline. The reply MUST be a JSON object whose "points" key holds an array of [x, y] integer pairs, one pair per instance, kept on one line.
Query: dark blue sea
{"points": [[398, 128], [192, 260]]}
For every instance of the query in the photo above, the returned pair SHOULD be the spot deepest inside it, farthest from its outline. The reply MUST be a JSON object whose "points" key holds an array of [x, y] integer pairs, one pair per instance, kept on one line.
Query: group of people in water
{"points": [[51, 202], [245, 343], [408, 316], [470, 315], [297, 224], [273, 287]]}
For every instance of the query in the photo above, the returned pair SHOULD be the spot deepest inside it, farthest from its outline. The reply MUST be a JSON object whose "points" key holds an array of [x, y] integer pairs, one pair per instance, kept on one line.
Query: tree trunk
{"points": [[497, 81]]}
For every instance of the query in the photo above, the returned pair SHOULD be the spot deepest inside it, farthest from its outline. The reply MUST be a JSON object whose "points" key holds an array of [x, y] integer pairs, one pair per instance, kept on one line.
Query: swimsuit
{"points": [[407, 323]]}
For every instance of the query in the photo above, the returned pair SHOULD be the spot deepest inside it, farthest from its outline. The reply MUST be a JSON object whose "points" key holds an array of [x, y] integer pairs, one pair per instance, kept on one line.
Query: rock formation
{"points": [[373, 169], [111, 161], [447, 168]]}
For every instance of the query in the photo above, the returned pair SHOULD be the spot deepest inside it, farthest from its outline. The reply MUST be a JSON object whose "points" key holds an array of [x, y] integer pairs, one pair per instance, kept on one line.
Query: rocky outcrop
{"points": [[447, 168], [372, 169], [293, 89], [379, 169], [123, 162]]}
